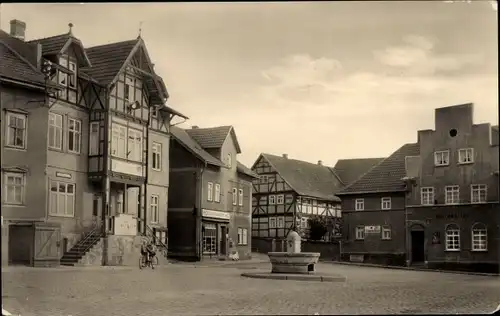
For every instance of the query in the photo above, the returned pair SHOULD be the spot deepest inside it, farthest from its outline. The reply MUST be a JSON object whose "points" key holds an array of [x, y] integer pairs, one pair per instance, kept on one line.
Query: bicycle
{"points": [[152, 262]]}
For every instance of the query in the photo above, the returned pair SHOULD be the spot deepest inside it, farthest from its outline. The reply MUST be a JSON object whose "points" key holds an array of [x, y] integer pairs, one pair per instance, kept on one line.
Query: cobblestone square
{"points": [[179, 289]]}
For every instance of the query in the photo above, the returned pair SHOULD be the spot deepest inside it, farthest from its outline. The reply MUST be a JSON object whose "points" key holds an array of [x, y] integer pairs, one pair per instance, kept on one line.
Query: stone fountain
{"points": [[294, 264]]}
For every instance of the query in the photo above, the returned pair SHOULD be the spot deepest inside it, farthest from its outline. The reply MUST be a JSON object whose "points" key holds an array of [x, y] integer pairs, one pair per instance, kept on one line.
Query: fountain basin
{"points": [[289, 262]]}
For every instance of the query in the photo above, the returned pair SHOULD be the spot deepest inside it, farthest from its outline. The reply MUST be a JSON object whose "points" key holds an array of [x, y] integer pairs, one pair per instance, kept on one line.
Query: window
{"points": [[452, 238], [155, 211], [240, 197], [210, 192], [63, 78], [16, 130], [156, 148], [386, 203], [134, 145], [129, 89], [119, 141], [209, 232], [229, 160], [74, 135], [14, 188], [386, 233], [442, 158], [466, 155], [154, 112], [94, 138], [62, 199], [479, 237], [272, 222], [263, 179], [281, 222], [272, 200], [242, 236], [235, 196], [217, 192], [427, 196], [359, 205], [72, 76], [280, 199], [478, 193], [55, 130], [360, 232], [452, 194]]}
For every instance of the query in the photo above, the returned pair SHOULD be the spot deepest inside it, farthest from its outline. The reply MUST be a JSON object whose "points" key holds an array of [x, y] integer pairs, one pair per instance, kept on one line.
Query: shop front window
{"points": [[209, 238]]}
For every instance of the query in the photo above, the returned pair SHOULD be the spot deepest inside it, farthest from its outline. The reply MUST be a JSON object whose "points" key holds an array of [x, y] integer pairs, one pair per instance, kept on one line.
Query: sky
{"points": [[315, 80]]}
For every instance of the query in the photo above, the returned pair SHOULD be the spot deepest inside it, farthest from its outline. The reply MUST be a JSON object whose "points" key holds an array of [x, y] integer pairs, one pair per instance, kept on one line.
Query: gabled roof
{"points": [[306, 178], [241, 168], [27, 51], [52, 45], [214, 137], [107, 60], [350, 170], [386, 176], [192, 146]]}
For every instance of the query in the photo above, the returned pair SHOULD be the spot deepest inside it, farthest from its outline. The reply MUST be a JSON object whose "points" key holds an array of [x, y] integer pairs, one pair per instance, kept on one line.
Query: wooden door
{"points": [[47, 251]]}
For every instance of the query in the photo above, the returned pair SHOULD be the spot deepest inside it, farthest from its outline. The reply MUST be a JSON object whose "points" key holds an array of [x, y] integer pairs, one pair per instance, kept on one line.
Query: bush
{"points": [[317, 227]]}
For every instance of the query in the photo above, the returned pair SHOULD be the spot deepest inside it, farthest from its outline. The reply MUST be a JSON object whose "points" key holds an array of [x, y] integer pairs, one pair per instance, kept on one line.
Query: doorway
{"points": [[417, 245], [223, 240]]}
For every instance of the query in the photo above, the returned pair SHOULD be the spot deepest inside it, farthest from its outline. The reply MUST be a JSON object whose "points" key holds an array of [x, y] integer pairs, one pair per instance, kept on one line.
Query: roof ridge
{"points": [[114, 43], [46, 38], [20, 57], [292, 159]]}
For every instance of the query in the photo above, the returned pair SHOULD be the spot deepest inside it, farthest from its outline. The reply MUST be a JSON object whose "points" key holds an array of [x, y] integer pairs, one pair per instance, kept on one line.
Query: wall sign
{"points": [[125, 225], [63, 175], [356, 258], [372, 229], [452, 216], [215, 214]]}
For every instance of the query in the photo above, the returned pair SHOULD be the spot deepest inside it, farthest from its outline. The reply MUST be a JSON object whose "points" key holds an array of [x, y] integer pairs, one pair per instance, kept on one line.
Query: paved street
{"points": [[189, 290]]}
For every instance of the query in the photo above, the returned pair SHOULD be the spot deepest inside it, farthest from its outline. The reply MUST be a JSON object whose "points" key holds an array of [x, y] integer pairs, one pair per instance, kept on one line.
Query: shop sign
{"points": [[372, 229], [215, 214]]}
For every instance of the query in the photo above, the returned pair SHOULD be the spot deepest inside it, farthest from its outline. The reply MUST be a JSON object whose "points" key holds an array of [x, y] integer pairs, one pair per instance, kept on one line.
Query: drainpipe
{"points": [[146, 175], [105, 183], [198, 216]]}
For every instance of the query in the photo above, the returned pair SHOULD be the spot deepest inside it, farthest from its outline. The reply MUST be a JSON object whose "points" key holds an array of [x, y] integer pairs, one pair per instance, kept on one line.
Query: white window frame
{"points": [[94, 138], [280, 222], [451, 194], [75, 134], [235, 196], [134, 145], [21, 186], [240, 197], [12, 131], [242, 236], [72, 77], [155, 208], [427, 196], [272, 222], [56, 126], [386, 203], [465, 156], [54, 210], [386, 232], [128, 82], [280, 199], [452, 240], [272, 200], [442, 158], [478, 193], [229, 159], [210, 191], [119, 141], [479, 239], [217, 193], [359, 205], [360, 233], [156, 149]]}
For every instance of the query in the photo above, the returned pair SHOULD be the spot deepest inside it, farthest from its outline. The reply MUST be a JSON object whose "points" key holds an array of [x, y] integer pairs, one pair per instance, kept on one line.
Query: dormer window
{"points": [[72, 76], [129, 89]]}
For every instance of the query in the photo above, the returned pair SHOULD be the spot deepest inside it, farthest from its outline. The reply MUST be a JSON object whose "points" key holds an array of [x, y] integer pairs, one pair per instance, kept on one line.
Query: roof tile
{"points": [[245, 170], [211, 137], [190, 144], [52, 45], [387, 175], [350, 170]]}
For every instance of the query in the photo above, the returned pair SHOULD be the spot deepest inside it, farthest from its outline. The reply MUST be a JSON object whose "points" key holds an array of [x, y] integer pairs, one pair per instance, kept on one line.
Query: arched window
{"points": [[479, 237], [452, 237]]}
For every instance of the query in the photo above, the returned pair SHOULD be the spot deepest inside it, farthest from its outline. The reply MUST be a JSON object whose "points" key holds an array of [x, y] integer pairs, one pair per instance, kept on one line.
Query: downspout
{"points": [[146, 175], [198, 217], [104, 185]]}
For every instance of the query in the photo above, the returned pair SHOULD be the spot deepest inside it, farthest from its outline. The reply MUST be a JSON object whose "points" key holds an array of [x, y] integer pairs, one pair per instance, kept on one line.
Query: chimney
{"points": [[194, 127], [18, 29], [320, 162], [285, 156], [39, 56]]}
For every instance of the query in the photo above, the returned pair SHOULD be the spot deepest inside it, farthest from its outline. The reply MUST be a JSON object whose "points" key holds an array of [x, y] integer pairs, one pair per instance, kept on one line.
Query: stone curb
{"points": [[411, 268], [288, 277]]}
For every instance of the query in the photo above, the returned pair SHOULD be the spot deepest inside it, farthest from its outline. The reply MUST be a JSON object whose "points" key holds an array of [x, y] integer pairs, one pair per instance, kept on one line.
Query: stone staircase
{"points": [[78, 253]]}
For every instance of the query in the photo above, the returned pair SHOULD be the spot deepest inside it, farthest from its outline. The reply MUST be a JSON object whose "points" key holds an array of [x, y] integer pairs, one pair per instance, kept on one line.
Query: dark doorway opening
{"points": [[21, 239], [417, 246], [223, 241]]}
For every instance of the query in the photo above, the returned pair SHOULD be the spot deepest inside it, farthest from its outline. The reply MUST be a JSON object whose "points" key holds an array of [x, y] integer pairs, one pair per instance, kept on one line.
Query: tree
{"points": [[317, 227]]}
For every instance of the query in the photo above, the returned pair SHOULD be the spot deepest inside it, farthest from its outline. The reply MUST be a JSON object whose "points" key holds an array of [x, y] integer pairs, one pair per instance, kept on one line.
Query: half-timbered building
{"points": [[105, 151], [289, 191], [209, 198]]}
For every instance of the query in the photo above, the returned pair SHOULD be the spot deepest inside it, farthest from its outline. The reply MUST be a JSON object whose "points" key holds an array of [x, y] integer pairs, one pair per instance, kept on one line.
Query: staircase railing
{"points": [[95, 231], [156, 239]]}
